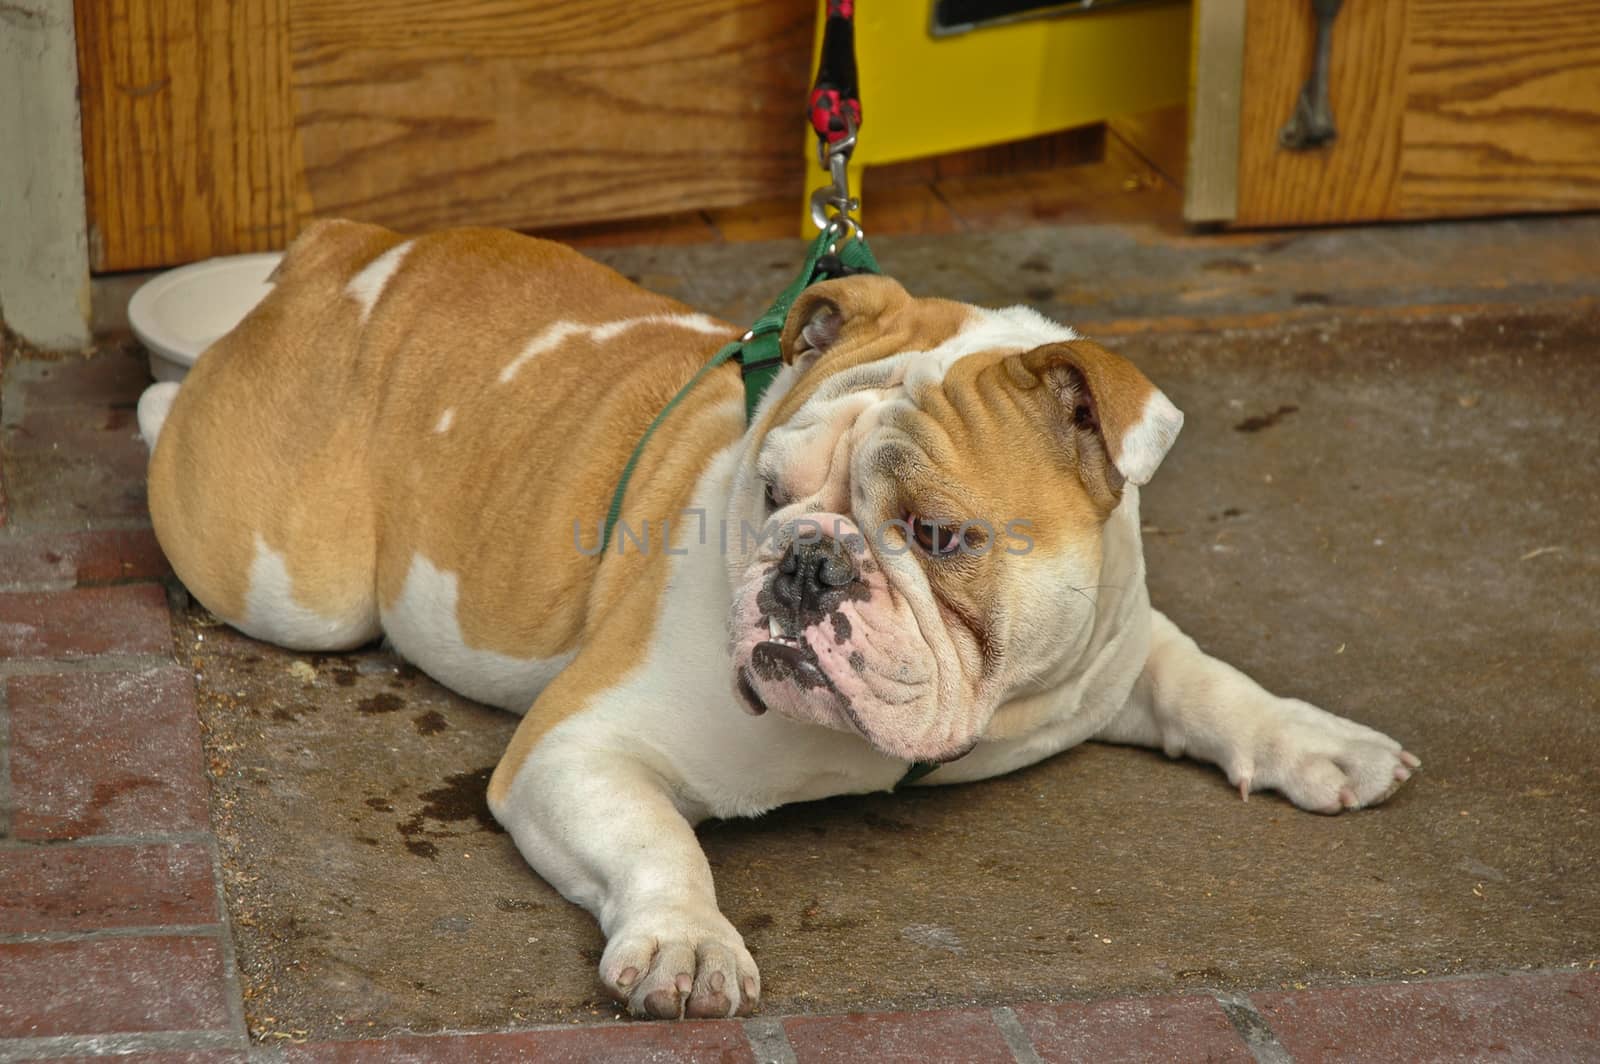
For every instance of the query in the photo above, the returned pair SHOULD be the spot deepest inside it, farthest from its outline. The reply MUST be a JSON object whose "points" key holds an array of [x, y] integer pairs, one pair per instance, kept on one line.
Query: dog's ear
{"points": [[827, 313], [1105, 405]]}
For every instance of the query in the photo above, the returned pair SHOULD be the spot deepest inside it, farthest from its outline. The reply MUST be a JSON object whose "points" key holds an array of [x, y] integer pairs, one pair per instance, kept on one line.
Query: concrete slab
{"points": [[44, 258], [1395, 515]]}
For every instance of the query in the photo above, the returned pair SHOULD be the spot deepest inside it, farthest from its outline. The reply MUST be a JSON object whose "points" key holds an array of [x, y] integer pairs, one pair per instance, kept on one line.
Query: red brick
{"points": [[1528, 1017], [1157, 1028], [87, 888], [85, 623], [90, 428], [111, 986], [81, 559], [105, 753], [114, 375], [948, 1037], [72, 458], [719, 1041], [75, 488], [204, 1056]]}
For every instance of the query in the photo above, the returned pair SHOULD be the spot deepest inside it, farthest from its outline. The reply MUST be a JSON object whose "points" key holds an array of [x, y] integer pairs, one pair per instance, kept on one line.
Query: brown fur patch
{"points": [[878, 320], [1116, 395]]}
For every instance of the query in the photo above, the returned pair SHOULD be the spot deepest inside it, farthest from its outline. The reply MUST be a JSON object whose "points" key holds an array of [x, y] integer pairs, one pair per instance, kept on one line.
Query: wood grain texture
{"points": [[216, 126], [1354, 178], [419, 114], [1444, 108], [187, 129], [1502, 107]]}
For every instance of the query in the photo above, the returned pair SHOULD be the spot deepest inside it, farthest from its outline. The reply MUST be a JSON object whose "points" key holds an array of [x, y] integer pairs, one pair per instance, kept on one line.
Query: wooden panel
{"points": [[1161, 137], [1503, 107], [1049, 151], [417, 113], [187, 129], [1120, 188], [1444, 108], [1355, 178]]}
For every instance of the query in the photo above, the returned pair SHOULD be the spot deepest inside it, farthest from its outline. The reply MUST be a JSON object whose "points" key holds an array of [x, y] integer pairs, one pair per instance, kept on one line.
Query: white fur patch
{"points": [[1143, 446], [366, 286], [1012, 328], [422, 625], [271, 612], [555, 335], [154, 405], [446, 419]]}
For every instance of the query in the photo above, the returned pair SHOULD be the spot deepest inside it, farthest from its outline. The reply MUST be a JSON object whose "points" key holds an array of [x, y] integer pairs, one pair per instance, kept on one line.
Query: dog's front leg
{"points": [[603, 828], [1187, 702]]}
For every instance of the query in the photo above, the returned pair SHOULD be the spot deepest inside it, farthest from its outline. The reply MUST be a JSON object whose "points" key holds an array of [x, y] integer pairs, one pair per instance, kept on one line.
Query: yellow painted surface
{"points": [[923, 95]]}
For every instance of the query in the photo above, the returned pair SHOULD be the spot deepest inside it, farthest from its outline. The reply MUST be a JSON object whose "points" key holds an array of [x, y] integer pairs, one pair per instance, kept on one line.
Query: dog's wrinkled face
{"points": [[917, 518]]}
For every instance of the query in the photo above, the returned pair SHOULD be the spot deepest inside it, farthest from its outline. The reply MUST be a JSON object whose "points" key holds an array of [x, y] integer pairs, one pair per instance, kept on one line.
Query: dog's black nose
{"points": [[814, 574]]}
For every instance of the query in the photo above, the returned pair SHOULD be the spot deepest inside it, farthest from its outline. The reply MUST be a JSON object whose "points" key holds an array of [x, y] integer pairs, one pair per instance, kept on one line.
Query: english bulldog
{"points": [[921, 549]]}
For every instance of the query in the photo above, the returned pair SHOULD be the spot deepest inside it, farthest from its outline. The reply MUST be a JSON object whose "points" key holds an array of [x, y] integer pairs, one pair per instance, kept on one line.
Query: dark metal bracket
{"points": [[1311, 125]]}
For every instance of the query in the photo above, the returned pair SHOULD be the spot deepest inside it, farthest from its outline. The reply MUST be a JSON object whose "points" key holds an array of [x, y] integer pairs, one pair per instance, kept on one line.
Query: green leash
{"points": [[759, 357]]}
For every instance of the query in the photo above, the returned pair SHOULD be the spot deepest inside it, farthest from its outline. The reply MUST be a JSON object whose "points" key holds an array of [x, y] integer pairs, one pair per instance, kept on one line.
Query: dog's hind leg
{"points": [[260, 485], [154, 406]]}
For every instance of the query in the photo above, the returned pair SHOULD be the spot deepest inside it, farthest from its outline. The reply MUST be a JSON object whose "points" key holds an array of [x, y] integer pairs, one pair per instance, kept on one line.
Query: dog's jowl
{"points": [[922, 549]]}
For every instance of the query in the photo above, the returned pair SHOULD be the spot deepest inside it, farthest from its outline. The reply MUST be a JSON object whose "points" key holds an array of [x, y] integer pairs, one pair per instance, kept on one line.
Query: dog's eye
{"points": [[940, 539], [775, 499]]}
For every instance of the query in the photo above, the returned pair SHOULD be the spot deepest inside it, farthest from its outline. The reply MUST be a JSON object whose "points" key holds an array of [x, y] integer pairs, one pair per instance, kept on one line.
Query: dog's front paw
{"points": [[1324, 763], [668, 965]]}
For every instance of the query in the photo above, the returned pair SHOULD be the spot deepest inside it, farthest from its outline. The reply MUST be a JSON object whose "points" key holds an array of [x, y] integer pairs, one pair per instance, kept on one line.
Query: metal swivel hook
{"points": [[832, 205]]}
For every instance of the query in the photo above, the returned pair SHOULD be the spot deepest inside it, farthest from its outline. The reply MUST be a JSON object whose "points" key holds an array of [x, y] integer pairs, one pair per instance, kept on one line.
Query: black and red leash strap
{"points": [[835, 105]]}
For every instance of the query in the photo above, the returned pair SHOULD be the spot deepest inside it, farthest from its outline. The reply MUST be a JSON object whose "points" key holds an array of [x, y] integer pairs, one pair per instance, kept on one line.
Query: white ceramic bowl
{"points": [[180, 313]]}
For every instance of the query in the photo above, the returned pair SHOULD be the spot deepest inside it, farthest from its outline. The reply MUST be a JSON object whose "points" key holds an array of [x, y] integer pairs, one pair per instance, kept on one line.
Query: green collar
{"points": [[757, 351], [760, 359]]}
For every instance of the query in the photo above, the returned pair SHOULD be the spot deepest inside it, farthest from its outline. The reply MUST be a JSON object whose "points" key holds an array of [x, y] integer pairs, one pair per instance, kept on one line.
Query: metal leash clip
{"points": [[832, 206]]}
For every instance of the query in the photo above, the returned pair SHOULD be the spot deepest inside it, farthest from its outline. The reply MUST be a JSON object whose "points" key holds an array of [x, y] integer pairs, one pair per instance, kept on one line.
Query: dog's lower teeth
{"points": [[778, 635]]}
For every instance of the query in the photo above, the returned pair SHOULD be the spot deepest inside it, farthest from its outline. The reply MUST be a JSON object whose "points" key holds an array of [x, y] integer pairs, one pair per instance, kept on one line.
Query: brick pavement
{"points": [[114, 935]]}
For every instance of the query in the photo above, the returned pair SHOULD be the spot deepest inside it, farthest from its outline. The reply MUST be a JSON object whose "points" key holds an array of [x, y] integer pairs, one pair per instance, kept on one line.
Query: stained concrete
{"points": [[1140, 276], [1391, 511]]}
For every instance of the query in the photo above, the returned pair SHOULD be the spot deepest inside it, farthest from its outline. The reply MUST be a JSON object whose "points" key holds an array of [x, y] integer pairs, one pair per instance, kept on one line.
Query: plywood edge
{"points": [[1211, 187]]}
